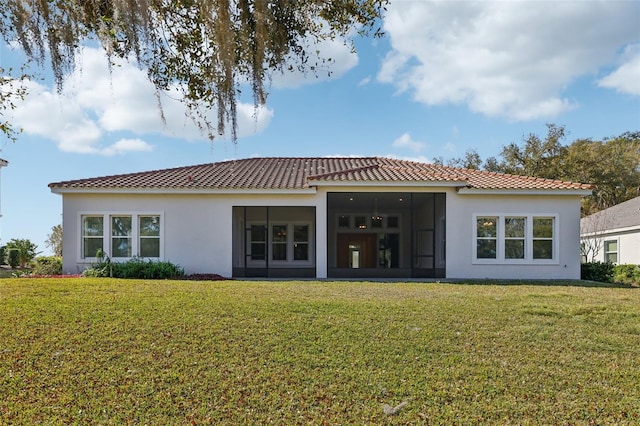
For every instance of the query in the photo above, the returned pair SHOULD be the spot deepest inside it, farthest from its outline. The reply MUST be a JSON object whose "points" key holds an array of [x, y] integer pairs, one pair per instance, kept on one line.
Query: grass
{"points": [[101, 351]]}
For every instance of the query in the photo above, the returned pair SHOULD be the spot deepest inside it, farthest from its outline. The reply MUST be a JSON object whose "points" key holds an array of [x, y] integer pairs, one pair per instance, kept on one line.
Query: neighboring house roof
{"points": [[293, 173], [623, 215]]}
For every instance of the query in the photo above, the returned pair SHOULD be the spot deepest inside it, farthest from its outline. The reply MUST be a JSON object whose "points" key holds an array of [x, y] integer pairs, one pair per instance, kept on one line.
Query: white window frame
{"points": [[605, 252], [500, 243], [107, 234], [289, 262]]}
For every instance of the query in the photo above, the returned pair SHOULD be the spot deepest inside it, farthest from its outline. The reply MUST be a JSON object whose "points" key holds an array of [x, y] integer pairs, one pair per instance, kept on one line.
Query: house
{"points": [[612, 235], [367, 217]]}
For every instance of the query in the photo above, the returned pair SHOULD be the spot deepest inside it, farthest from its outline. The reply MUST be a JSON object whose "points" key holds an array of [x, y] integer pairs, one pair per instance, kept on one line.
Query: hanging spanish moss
{"points": [[209, 49]]}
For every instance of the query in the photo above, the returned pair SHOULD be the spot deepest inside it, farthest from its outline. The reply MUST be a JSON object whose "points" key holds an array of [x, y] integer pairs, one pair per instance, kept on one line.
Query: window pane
{"points": [[121, 247], [361, 222], [279, 251], [514, 227], [301, 233], [301, 251], [486, 249], [258, 233], [149, 226], [611, 257], [514, 249], [279, 234], [92, 226], [91, 247], [150, 247], [543, 249], [542, 227], [392, 222], [376, 221], [344, 221], [611, 246], [120, 226], [258, 251], [486, 227]]}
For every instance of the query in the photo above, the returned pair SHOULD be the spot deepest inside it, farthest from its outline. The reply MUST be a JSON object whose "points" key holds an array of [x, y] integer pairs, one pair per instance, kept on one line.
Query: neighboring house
{"points": [[612, 235], [365, 217]]}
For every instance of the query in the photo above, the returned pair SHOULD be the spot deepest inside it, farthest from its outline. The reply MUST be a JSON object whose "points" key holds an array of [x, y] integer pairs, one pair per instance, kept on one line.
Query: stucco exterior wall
{"points": [[628, 246], [198, 228], [460, 226]]}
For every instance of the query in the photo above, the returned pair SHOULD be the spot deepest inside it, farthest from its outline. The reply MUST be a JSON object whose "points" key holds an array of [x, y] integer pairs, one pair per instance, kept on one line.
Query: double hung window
{"points": [[287, 242], [514, 238], [121, 236], [611, 251]]}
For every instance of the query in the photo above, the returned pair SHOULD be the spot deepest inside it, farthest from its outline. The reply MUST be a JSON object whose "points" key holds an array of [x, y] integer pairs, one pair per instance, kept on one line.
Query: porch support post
{"points": [[321, 236]]}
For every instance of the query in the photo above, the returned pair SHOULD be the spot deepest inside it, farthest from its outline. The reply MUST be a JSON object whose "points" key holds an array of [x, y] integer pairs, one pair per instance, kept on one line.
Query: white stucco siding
{"points": [[460, 236], [628, 245], [197, 229]]}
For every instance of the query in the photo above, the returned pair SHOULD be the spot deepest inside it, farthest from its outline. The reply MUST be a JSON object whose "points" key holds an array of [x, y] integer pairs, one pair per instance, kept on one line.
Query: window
{"points": [[287, 243], [258, 242], [149, 241], [344, 221], [92, 235], [486, 234], [301, 242], [611, 251], [121, 236], [514, 239], [361, 222], [543, 238], [392, 222], [279, 242]]}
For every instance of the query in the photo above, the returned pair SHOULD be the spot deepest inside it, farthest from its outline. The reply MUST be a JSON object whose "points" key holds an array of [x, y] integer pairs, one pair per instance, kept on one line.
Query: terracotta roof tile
{"points": [[290, 173]]}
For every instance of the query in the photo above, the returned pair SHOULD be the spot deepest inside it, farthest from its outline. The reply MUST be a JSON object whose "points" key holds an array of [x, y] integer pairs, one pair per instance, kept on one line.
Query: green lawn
{"points": [[100, 351]]}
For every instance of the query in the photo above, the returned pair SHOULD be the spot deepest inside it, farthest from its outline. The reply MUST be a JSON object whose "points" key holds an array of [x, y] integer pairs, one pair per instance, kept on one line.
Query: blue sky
{"points": [[448, 76]]}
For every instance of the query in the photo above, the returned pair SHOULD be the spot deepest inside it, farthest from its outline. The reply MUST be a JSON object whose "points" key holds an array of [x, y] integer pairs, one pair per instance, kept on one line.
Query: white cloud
{"points": [[509, 59], [338, 59], [96, 101], [127, 145], [405, 141], [626, 78]]}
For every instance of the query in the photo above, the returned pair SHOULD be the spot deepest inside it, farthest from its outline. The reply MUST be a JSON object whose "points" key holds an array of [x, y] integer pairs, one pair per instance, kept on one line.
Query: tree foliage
{"points": [[612, 165], [12, 89], [207, 49], [25, 248], [54, 240]]}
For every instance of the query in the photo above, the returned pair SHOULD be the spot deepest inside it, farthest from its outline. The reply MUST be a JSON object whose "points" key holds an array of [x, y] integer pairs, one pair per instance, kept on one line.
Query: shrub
{"points": [[26, 251], [626, 274], [597, 271], [134, 268], [13, 257], [47, 265], [3, 255]]}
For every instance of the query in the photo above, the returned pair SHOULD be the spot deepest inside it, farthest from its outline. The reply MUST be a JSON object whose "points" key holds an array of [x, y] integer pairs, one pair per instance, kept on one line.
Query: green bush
{"points": [[3, 255], [26, 251], [597, 271], [47, 265], [13, 257], [626, 274], [135, 268]]}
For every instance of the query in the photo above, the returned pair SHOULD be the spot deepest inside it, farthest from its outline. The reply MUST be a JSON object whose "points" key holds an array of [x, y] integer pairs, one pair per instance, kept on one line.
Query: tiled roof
{"points": [[290, 173], [623, 215]]}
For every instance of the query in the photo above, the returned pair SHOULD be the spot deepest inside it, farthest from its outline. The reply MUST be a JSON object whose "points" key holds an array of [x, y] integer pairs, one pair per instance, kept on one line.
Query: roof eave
{"points": [[465, 190], [183, 191], [343, 183]]}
